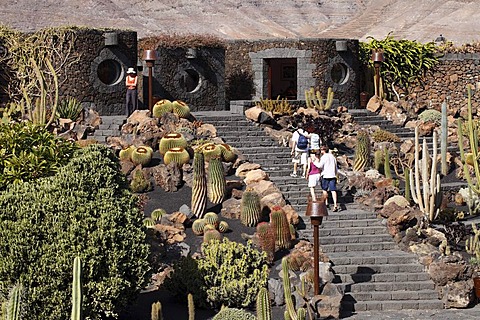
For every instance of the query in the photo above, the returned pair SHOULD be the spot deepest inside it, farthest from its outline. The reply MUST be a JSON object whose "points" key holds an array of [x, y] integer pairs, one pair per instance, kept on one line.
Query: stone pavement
{"points": [[446, 314]]}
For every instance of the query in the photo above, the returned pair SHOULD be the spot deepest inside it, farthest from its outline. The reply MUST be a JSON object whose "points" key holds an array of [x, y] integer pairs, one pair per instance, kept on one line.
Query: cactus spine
{"points": [[264, 308], [216, 183], [362, 151], [157, 311], [199, 186], [281, 227], [250, 208], [443, 140], [429, 196], [77, 289]]}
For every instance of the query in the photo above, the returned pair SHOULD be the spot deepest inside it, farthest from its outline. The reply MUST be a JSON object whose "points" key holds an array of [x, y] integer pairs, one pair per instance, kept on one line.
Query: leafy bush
{"points": [[385, 136], [84, 210], [233, 273], [431, 115], [29, 152], [69, 108]]}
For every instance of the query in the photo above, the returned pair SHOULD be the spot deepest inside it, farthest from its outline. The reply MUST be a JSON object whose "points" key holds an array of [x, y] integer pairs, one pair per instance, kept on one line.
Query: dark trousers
{"points": [[131, 100]]}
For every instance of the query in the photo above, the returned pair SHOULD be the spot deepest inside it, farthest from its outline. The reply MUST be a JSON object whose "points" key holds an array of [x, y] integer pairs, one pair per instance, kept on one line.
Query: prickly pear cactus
{"points": [[199, 186], [216, 183], [250, 208]]}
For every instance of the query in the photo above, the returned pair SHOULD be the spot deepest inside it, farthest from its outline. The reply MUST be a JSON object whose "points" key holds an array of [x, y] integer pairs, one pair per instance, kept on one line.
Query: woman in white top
{"points": [[328, 167]]}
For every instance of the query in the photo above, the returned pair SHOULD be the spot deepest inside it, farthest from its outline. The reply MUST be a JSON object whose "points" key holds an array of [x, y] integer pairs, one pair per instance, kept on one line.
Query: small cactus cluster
{"points": [[178, 107], [138, 155], [173, 148], [209, 222], [362, 151]]}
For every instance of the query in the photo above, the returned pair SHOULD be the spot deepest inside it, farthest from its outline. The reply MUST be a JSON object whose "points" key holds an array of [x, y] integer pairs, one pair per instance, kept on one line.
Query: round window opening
{"points": [[189, 80], [339, 73], [109, 71]]}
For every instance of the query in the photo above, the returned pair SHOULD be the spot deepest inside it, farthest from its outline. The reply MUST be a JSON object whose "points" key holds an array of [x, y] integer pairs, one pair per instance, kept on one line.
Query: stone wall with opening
{"points": [[98, 79], [321, 63]]}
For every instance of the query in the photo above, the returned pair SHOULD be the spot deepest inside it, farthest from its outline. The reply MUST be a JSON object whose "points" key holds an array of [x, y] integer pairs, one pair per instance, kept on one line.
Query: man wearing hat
{"points": [[131, 84]]}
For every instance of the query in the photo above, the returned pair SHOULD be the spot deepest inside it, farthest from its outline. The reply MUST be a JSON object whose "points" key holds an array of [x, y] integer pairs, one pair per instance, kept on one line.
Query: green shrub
{"points": [[381, 135], [431, 115], [69, 108], [29, 151], [233, 314], [233, 272], [84, 210]]}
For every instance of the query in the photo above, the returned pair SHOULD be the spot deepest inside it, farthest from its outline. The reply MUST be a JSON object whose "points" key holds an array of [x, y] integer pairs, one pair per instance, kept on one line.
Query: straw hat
{"points": [[130, 70]]}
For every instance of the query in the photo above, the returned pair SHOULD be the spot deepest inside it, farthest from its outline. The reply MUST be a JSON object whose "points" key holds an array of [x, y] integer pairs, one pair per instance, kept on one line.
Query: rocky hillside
{"points": [[422, 20]]}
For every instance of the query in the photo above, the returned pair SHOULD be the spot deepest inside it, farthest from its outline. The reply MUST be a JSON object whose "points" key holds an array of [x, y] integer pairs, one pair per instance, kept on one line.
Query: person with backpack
{"points": [[300, 143]]}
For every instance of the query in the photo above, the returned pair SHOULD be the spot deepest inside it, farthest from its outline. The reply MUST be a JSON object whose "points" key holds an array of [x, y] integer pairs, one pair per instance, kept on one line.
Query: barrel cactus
{"points": [[171, 140], [211, 150], [199, 186], [216, 183], [208, 226], [161, 107], [227, 153], [211, 218], [126, 153], [250, 208], [142, 155], [281, 227], [223, 226], [181, 109], [362, 151], [266, 239], [210, 235], [178, 155], [157, 214], [198, 226]]}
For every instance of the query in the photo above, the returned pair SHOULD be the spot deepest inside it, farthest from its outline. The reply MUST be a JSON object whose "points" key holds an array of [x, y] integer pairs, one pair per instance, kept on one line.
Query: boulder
{"points": [[245, 167], [253, 113], [255, 175], [273, 199]]}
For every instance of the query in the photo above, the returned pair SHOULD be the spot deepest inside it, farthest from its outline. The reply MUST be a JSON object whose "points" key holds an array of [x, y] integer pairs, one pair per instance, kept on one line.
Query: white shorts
{"points": [[314, 180], [300, 157]]}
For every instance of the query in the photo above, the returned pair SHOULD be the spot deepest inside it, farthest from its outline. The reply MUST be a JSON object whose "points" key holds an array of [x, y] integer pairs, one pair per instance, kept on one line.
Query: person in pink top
{"points": [[313, 172]]}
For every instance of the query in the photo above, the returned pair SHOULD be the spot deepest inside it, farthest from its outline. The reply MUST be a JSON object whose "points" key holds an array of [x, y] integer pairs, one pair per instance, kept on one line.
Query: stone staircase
{"points": [[110, 126], [373, 273]]}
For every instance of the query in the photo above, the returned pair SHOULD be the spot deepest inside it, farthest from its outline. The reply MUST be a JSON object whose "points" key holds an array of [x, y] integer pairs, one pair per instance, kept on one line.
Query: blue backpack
{"points": [[302, 142]]}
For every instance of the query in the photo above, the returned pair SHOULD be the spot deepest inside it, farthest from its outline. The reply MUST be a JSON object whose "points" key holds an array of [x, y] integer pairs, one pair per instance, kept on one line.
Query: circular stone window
{"points": [[189, 80], [109, 72], [339, 73]]}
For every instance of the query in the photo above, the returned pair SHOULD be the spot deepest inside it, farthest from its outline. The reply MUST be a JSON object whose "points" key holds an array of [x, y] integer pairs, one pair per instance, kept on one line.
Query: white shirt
{"points": [[295, 137], [328, 165], [314, 141]]}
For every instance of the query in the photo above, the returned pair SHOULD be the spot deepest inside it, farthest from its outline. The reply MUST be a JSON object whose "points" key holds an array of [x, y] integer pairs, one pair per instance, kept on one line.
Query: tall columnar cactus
{"points": [[426, 191], [290, 312], [472, 245], [386, 164], [362, 151], [77, 290], [281, 227], [266, 239], [216, 183], [408, 196], [142, 155], [314, 99], [250, 208], [181, 109], [13, 305], [264, 307], [157, 311], [171, 140], [161, 107], [443, 140], [378, 160], [199, 186], [178, 155], [472, 131], [191, 307]]}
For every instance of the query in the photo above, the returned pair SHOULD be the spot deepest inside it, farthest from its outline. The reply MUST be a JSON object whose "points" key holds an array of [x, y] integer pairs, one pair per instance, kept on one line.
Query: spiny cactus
{"points": [[266, 239], [157, 311], [181, 109], [199, 186], [472, 245], [210, 235], [314, 99], [233, 314], [157, 214], [126, 154], [378, 160], [227, 153], [161, 107], [77, 290], [211, 150], [211, 218], [208, 227], [171, 140], [148, 222], [12, 308], [250, 208], [142, 155], [139, 182], [223, 226], [281, 227], [216, 183], [198, 226], [264, 307], [191, 307], [386, 164], [178, 155], [362, 151]]}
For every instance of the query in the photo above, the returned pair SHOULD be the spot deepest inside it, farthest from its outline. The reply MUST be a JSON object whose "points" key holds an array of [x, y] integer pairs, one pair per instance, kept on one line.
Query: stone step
{"points": [[355, 239], [349, 303], [328, 248], [381, 277], [372, 257], [403, 290], [354, 231], [378, 268]]}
